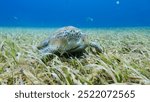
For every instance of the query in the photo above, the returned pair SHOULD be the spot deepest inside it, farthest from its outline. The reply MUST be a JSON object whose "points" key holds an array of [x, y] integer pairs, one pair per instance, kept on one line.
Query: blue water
{"points": [[80, 13]]}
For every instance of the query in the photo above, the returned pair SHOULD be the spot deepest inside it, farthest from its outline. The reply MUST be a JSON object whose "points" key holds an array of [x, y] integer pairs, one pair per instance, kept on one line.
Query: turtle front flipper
{"points": [[96, 46], [49, 49], [47, 53], [43, 44]]}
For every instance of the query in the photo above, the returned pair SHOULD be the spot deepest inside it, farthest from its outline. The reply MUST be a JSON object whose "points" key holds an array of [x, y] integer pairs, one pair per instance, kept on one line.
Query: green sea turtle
{"points": [[67, 40]]}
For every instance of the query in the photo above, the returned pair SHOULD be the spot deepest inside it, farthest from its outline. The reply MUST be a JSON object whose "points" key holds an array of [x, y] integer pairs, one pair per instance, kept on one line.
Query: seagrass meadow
{"points": [[126, 58]]}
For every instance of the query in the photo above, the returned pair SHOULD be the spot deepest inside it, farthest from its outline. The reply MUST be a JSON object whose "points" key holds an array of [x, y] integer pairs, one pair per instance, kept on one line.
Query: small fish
{"points": [[15, 18], [89, 19], [117, 2]]}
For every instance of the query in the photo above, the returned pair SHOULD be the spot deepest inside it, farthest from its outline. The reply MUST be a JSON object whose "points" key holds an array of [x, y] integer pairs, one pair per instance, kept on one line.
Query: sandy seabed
{"points": [[126, 58]]}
